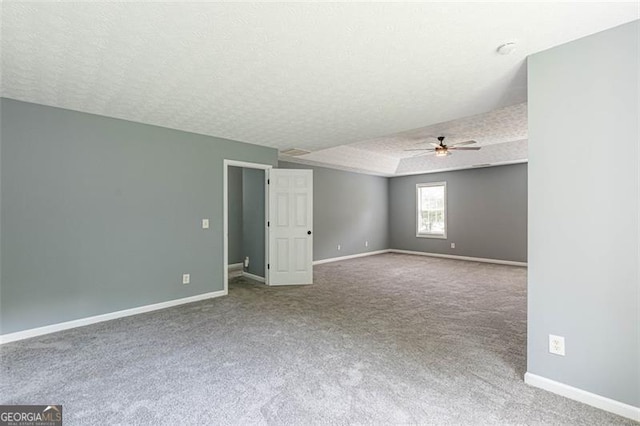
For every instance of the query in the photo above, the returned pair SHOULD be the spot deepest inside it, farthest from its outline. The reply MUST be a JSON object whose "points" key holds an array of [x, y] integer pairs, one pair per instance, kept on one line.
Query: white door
{"points": [[290, 227]]}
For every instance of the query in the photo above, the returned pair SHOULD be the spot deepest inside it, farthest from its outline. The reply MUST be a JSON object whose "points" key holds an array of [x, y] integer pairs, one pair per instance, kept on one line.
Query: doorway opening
{"points": [[245, 211]]}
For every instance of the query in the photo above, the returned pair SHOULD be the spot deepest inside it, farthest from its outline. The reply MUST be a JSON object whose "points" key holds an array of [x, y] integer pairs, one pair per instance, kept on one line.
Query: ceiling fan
{"points": [[442, 150]]}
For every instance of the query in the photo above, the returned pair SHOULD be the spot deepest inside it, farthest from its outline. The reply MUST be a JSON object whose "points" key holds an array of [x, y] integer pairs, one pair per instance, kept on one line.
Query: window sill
{"points": [[439, 236]]}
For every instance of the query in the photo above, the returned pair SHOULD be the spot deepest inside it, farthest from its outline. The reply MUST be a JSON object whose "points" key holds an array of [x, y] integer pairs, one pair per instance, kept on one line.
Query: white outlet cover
{"points": [[453, 245], [556, 345], [186, 278], [366, 243], [205, 223], [339, 247]]}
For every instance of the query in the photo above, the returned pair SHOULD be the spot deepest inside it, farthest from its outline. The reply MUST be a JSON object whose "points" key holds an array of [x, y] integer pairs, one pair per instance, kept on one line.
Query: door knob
{"points": [[308, 232]]}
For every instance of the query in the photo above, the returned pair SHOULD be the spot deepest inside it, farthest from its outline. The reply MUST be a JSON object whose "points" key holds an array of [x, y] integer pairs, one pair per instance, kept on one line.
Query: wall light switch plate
{"points": [[205, 223], [339, 247], [186, 278], [556, 345], [453, 245]]}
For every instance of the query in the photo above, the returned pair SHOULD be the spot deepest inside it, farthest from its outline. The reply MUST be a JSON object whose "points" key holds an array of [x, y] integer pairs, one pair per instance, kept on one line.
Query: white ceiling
{"points": [[501, 133], [304, 75]]}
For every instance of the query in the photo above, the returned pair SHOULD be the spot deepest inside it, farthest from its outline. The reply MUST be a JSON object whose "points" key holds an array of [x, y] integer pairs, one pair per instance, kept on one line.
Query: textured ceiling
{"points": [[388, 155], [304, 75]]}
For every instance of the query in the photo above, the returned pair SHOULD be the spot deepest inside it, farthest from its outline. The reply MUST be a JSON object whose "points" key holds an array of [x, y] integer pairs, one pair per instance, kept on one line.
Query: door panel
{"points": [[282, 210], [301, 210], [282, 254], [300, 254], [290, 229]]}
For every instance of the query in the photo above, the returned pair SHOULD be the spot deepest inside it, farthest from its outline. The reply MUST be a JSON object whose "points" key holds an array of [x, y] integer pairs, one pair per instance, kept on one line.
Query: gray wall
{"points": [[486, 213], [101, 214], [1, 118], [234, 182], [253, 217], [348, 209], [584, 280]]}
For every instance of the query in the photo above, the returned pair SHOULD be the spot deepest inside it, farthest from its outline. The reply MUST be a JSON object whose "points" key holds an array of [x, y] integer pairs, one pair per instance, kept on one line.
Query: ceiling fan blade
{"points": [[421, 149], [465, 148], [423, 154], [463, 143]]}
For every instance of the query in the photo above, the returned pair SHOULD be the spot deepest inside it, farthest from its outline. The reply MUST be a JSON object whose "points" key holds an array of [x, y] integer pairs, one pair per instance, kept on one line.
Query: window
{"points": [[431, 202]]}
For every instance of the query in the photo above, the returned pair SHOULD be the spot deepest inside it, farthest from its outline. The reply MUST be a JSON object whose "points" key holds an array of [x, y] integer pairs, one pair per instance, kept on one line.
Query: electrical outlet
{"points": [[205, 223], [339, 247], [246, 262], [453, 245], [366, 243], [186, 278], [556, 345]]}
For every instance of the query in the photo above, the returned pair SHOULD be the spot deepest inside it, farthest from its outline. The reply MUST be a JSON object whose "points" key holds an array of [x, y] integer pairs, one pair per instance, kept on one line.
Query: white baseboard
{"points": [[455, 257], [351, 256], [235, 266], [25, 334], [253, 277], [421, 253], [601, 402]]}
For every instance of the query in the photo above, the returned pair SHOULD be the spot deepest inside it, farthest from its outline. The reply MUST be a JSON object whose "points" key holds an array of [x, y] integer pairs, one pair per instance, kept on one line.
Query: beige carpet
{"points": [[388, 339]]}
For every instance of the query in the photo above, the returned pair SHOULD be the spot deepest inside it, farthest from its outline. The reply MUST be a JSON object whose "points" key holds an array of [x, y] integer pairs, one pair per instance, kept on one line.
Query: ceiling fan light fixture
{"points": [[442, 150]]}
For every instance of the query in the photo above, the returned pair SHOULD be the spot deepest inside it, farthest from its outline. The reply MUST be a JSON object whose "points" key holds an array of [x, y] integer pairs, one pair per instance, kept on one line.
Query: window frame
{"points": [[419, 234]]}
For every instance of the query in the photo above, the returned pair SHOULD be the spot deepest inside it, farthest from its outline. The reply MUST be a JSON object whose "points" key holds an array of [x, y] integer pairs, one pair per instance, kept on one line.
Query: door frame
{"points": [[225, 215]]}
